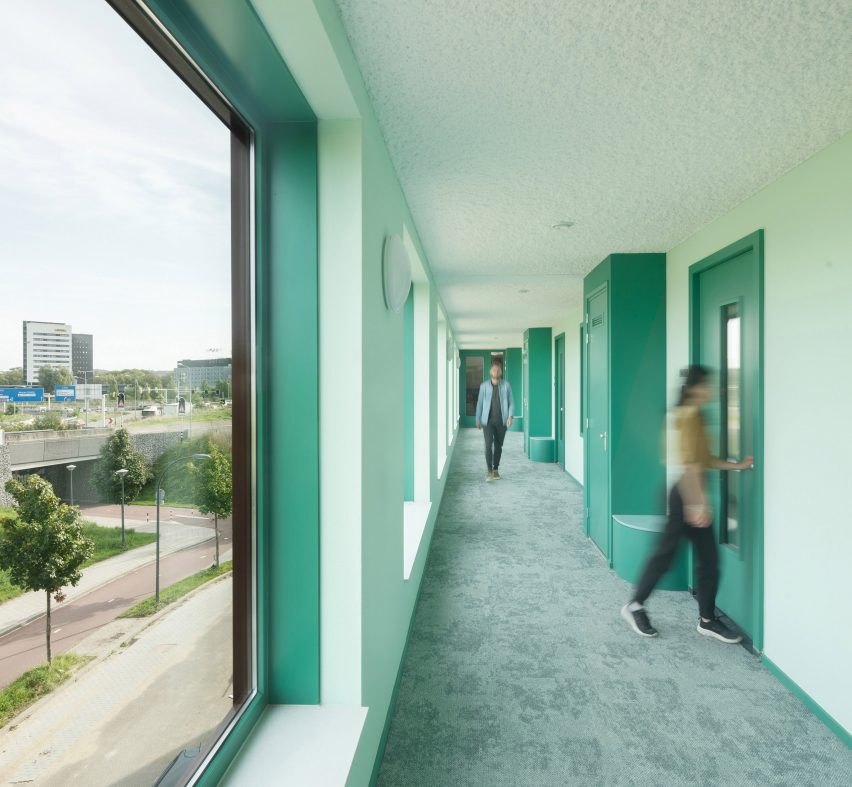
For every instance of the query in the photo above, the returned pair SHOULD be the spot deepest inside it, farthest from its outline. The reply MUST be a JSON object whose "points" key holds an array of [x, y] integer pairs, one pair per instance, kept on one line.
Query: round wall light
{"points": [[396, 273]]}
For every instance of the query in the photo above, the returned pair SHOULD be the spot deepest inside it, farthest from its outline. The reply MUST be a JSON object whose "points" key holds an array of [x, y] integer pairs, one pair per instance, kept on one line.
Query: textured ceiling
{"points": [[639, 121]]}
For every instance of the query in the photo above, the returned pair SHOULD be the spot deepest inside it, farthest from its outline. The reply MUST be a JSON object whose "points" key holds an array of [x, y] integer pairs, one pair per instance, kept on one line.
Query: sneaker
{"points": [[495, 475], [489, 476], [638, 620], [718, 630]]}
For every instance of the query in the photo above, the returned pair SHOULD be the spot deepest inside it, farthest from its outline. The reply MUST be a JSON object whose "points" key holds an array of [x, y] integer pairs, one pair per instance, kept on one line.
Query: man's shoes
{"points": [[495, 475], [718, 630], [638, 620], [489, 476]]}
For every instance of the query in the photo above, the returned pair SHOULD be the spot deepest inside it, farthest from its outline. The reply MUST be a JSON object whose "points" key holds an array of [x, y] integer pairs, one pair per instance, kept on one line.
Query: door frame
{"points": [[556, 403], [586, 399], [755, 244]]}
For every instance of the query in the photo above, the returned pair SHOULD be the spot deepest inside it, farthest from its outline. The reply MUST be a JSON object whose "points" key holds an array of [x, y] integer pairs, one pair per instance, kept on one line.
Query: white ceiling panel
{"points": [[639, 121]]}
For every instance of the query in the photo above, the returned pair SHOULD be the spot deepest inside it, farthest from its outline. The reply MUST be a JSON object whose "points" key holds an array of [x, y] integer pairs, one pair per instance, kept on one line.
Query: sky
{"points": [[114, 192]]}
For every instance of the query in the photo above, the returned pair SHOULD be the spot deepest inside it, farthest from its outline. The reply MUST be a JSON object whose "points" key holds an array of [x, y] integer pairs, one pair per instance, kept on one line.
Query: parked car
{"points": [[150, 411]]}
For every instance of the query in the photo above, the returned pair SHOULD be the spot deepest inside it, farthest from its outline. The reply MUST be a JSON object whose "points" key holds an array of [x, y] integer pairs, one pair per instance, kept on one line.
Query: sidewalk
{"points": [[174, 536], [156, 686]]}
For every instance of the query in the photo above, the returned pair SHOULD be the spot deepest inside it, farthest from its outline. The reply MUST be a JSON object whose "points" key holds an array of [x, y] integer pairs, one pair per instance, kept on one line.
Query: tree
{"points": [[51, 376], [15, 376], [43, 546], [215, 489], [118, 453]]}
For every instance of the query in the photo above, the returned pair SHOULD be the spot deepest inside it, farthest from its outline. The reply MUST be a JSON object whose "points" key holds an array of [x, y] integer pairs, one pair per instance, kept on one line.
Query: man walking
{"points": [[494, 410]]}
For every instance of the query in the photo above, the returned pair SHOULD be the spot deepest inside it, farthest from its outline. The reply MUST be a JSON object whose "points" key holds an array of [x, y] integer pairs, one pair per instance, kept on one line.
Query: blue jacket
{"points": [[483, 404]]}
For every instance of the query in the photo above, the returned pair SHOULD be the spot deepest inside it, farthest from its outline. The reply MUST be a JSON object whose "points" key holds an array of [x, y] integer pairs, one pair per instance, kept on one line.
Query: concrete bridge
{"points": [[30, 450], [49, 453]]}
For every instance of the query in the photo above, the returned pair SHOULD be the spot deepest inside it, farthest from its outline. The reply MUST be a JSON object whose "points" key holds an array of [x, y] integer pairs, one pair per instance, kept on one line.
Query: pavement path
{"points": [[174, 536], [124, 717]]}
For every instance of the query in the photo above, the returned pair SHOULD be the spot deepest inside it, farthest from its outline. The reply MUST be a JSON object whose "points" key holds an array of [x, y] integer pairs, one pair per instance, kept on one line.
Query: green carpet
{"points": [[520, 670]]}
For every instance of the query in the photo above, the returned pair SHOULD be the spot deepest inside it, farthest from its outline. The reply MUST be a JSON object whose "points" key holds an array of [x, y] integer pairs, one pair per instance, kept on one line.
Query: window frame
{"points": [[243, 339]]}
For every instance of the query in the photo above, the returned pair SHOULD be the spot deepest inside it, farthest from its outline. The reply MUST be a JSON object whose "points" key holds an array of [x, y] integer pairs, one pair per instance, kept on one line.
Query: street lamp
{"points": [[71, 469], [121, 473], [157, 493]]}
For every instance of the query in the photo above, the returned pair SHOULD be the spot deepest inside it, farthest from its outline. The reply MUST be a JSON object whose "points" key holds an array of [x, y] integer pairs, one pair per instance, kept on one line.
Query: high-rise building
{"points": [[45, 344], [82, 357]]}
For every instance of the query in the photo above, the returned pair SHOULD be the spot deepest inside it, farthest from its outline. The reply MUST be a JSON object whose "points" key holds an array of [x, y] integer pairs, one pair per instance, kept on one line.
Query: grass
{"points": [[108, 541], [173, 592], [37, 682], [107, 544]]}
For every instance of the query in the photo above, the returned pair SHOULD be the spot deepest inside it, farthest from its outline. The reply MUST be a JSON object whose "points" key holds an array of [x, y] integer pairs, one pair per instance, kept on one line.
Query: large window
{"points": [[125, 196]]}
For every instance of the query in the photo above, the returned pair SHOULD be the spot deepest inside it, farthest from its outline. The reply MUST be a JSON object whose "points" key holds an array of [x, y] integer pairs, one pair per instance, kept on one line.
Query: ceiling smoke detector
{"points": [[562, 225]]}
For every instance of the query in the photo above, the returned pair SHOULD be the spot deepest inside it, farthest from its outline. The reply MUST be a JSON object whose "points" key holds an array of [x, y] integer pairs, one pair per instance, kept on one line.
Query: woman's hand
{"points": [[746, 464], [509, 421]]}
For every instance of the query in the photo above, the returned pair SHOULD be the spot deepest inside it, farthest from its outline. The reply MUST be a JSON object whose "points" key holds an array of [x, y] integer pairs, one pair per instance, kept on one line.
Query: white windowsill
{"points": [[308, 745], [415, 516]]}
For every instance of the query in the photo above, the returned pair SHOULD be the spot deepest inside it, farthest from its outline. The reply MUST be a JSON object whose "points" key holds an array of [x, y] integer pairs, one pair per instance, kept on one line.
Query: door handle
{"points": [[603, 437]]}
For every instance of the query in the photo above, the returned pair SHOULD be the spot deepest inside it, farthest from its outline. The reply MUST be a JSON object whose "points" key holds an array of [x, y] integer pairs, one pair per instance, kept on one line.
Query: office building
{"points": [[45, 344], [82, 356], [193, 374]]}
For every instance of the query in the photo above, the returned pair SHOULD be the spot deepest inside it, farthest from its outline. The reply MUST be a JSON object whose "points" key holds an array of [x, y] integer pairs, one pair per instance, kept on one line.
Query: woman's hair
{"points": [[694, 375]]}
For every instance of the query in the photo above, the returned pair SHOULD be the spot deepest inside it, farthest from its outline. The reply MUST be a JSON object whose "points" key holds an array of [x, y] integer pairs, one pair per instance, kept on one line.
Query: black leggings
{"points": [[704, 540]]}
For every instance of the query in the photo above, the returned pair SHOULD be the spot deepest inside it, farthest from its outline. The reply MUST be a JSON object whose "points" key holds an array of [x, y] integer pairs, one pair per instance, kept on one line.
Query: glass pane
{"points": [[474, 374], [732, 419], [116, 204]]}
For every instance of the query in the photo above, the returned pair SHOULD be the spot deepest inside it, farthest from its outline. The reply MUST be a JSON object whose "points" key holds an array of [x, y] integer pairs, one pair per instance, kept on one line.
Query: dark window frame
{"points": [[185, 768]]}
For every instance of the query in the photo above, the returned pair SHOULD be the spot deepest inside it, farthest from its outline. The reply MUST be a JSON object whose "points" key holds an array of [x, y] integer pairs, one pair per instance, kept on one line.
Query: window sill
{"points": [[415, 516], [305, 744]]}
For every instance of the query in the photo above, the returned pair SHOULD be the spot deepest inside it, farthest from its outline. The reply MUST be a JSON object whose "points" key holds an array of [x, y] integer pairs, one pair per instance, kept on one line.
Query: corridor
{"points": [[520, 671]]}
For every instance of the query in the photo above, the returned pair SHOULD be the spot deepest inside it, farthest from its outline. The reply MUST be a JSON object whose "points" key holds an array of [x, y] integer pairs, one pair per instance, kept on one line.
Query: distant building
{"points": [[82, 356], [45, 344], [191, 374]]}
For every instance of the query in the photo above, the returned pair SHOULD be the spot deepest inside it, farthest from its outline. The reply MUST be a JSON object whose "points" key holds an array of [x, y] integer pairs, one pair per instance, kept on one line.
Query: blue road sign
{"points": [[20, 395], [65, 393]]}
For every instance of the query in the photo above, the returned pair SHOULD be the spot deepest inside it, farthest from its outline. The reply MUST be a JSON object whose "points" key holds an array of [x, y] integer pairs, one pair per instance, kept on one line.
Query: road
{"points": [[24, 648]]}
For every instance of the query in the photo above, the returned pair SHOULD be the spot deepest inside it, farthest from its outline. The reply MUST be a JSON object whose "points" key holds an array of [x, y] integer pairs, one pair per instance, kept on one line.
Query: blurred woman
{"points": [[690, 515]]}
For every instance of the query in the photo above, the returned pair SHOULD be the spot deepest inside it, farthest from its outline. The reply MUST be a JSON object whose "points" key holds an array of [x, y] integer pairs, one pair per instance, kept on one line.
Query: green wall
{"points": [[513, 371], [538, 384]]}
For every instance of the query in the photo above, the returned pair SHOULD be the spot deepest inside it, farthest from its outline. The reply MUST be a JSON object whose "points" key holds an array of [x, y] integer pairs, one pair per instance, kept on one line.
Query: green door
{"points": [[559, 385], [526, 405], [597, 426], [474, 370], [726, 337]]}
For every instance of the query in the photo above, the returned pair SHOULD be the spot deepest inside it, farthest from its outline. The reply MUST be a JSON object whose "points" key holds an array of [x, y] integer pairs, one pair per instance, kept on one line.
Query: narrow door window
{"points": [[731, 373]]}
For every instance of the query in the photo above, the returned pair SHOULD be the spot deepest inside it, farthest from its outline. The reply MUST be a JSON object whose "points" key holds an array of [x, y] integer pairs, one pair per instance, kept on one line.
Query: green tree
{"points": [[15, 376], [215, 487], [43, 547], [51, 376], [117, 454]]}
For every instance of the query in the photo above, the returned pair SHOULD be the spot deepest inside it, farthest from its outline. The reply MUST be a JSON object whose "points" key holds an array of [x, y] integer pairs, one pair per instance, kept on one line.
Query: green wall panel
{"points": [[538, 384], [293, 447]]}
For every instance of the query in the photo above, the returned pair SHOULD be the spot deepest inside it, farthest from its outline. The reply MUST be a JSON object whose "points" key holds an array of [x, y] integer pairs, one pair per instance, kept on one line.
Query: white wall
{"points": [[807, 218], [573, 441], [340, 434]]}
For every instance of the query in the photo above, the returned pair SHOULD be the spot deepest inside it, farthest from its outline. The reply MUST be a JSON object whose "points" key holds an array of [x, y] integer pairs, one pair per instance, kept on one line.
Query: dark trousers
{"points": [[494, 435], [707, 572]]}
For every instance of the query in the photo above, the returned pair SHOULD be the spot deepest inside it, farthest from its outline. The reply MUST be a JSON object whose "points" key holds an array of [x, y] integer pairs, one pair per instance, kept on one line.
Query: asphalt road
{"points": [[24, 647]]}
